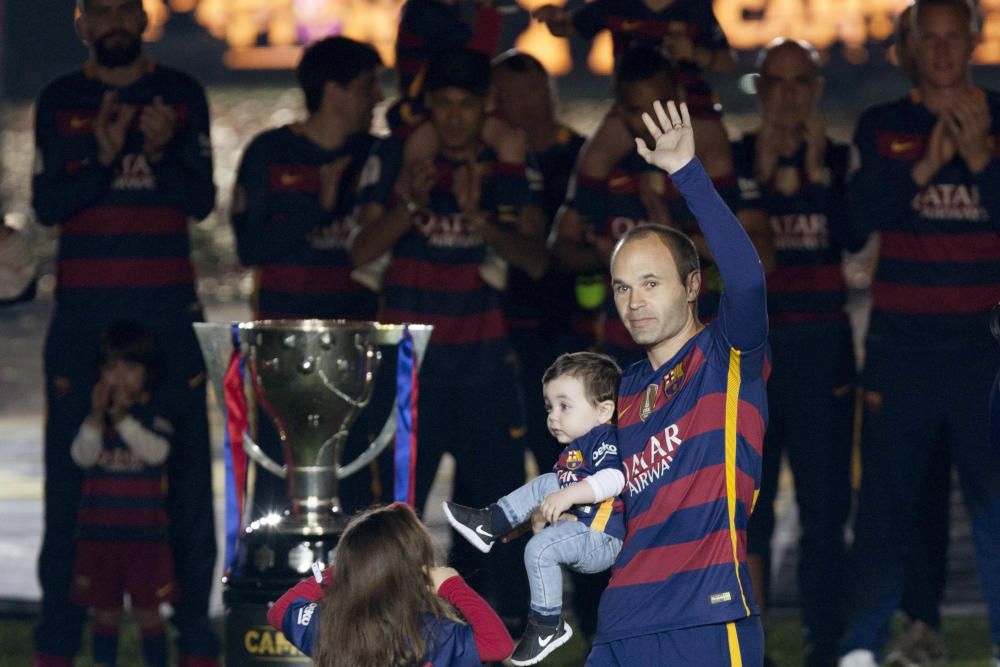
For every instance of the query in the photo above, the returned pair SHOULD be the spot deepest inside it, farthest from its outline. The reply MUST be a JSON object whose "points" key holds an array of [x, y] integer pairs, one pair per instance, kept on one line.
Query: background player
{"points": [[123, 160], [802, 187], [929, 182]]}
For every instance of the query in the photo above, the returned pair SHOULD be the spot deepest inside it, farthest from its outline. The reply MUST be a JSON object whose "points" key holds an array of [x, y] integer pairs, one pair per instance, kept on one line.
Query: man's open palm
{"points": [[672, 135]]}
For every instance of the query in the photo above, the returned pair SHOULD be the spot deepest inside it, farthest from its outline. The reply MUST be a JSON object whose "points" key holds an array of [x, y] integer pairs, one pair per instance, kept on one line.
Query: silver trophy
{"points": [[312, 378]]}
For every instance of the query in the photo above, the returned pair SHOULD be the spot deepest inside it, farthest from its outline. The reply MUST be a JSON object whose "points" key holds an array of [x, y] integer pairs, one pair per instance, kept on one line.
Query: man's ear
{"points": [[693, 285], [78, 27], [605, 411]]}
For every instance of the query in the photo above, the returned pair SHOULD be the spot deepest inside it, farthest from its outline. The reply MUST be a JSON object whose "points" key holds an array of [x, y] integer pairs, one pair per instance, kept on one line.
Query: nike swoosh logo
{"points": [[544, 641], [630, 25], [480, 531], [900, 146], [77, 123], [622, 412], [289, 179], [619, 180]]}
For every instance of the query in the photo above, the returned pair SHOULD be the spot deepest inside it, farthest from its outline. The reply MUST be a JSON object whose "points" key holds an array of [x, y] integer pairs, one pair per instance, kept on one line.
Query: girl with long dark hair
{"points": [[384, 603]]}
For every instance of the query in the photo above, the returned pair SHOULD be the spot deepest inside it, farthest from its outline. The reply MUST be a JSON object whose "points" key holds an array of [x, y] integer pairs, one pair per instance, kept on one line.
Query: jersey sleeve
{"points": [[493, 642], [61, 188], [296, 613], [184, 173], [264, 232], [879, 192], [588, 197], [743, 309]]}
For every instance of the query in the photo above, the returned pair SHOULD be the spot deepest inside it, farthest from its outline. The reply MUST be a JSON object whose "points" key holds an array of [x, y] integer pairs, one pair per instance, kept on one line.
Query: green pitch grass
{"points": [[967, 638]]}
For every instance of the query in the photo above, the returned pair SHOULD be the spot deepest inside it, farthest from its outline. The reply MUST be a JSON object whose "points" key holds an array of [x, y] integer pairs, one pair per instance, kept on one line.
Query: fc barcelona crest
{"points": [[673, 381], [649, 401], [574, 459]]}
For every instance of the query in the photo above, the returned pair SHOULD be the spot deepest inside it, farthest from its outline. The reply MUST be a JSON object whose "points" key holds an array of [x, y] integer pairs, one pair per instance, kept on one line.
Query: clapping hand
{"points": [[157, 124], [673, 137], [111, 127]]}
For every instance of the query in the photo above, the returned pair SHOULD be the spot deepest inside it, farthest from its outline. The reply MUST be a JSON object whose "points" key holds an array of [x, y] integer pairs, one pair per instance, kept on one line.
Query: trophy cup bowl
{"points": [[312, 378]]}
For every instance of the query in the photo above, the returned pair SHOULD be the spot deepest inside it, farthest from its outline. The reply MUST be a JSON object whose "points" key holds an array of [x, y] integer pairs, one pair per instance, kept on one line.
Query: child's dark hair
{"points": [[129, 340], [599, 374], [337, 59]]}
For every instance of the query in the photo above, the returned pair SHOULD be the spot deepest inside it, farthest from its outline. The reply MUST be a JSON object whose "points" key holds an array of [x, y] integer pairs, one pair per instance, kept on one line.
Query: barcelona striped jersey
{"points": [[123, 499], [938, 270], [123, 229], [434, 274], [690, 436], [298, 247], [811, 232], [587, 455]]}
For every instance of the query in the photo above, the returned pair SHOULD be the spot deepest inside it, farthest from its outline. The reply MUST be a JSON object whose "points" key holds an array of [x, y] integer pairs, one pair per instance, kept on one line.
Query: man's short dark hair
{"points": [[598, 373], [458, 68], [336, 59], [680, 245], [641, 63], [519, 62], [965, 6], [129, 340]]}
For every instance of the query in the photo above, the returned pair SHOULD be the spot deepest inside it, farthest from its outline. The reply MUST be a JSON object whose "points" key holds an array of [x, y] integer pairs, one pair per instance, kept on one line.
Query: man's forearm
{"points": [[379, 231]]}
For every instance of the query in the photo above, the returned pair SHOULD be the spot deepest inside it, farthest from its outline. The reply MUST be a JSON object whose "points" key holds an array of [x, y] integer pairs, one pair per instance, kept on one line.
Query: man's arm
{"points": [[878, 194], [743, 311], [184, 172], [59, 188]]}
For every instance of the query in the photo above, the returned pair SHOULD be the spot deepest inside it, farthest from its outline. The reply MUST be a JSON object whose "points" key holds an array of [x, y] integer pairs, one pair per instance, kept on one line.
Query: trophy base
{"points": [[272, 558]]}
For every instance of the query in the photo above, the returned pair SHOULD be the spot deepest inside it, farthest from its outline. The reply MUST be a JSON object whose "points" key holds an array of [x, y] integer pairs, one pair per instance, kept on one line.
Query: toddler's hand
{"points": [[554, 505]]}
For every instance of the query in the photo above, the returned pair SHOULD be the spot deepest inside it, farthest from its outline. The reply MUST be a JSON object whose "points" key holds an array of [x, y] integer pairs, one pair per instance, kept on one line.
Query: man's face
{"points": [[788, 87], [942, 46], [651, 300], [356, 101], [458, 117], [523, 98], [637, 97], [113, 30]]}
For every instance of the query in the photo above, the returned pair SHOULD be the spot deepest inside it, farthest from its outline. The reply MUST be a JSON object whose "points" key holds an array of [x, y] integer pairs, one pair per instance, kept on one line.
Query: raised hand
{"points": [[157, 124], [673, 137], [111, 127]]}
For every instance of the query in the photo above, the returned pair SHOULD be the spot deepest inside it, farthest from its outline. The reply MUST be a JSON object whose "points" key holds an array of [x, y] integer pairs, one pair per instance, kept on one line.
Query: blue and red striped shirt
{"points": [[690, 435], [938, 272], [123, 238], [299, 248], [434, 274], [811, 228]]}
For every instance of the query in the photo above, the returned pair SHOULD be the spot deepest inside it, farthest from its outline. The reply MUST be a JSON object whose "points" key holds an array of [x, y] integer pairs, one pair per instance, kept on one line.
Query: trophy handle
{"points": [[254, 451], [388, 335]]}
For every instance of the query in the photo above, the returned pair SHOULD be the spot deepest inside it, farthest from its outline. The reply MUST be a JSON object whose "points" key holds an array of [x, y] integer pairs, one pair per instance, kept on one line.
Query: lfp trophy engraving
{"points": [[312, 378]]}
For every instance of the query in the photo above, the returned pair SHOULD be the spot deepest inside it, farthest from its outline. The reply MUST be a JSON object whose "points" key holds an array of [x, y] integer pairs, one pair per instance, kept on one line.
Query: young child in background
{"points": [[383, 602], [580, 391], [122, 523]]}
